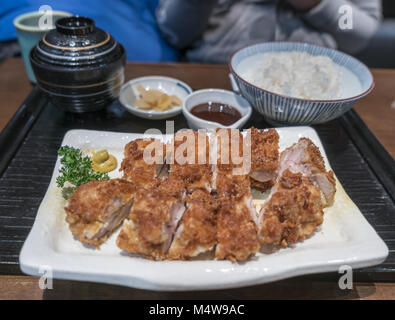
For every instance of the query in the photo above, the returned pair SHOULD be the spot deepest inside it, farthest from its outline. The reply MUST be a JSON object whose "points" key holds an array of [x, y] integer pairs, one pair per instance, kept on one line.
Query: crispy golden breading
{"points": [[305, 157], [236, 228], [264, 149], [172, 187], [135, 168], [194, 169], [194, 176], [314, 154], [152, 221], [264, 157], [230, 151], [201, 206], [236, 232], [233, 187], [197, 232], [293, 212], [97, 208]]}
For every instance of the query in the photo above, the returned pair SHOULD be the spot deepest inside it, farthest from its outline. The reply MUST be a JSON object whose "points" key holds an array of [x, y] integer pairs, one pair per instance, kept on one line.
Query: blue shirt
{"points": [[131, 22]]}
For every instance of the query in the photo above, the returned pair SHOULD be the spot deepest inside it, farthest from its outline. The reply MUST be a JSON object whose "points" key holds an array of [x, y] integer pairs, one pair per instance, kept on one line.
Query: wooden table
{"points": [[377, 110]]}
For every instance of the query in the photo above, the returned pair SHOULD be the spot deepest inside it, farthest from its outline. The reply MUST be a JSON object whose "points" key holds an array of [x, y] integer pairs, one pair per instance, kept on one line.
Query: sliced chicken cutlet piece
{"points": [[264, 158], [230, 160], [136, 169], [228, 146], [304, 157], [292, 213], [191, 160], [197, 232], [236, 226], [97, 208], [153, 219], [236, 229], [230, 151]]}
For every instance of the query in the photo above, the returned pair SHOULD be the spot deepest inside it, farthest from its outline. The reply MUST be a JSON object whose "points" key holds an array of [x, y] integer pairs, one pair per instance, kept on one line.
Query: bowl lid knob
{"points": [[75, 25]]}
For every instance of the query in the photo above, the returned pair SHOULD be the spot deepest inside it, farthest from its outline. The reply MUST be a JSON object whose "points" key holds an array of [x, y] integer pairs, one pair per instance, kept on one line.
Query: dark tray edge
{"points": [[14, 133], [378, 159], [373, 152]]}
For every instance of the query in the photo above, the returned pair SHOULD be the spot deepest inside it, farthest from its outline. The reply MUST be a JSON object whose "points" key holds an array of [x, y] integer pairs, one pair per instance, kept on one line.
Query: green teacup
{"points": [[31, 28]]}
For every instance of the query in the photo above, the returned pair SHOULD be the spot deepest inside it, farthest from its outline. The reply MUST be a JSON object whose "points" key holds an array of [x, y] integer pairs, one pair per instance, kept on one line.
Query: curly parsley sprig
{"points": [[76, 170]]}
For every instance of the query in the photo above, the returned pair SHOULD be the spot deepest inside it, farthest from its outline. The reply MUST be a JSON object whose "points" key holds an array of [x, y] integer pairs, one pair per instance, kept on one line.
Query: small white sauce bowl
{"points": [[170, 86], [220, 96]]}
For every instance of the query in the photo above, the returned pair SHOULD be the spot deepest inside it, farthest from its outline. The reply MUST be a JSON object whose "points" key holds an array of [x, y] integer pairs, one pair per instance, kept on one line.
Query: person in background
{"points": [[211, 30], [131, 22]]}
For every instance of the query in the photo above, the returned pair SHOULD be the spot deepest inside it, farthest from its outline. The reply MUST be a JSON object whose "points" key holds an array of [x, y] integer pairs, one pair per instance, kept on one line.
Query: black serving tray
{"points": [[30, 141]]}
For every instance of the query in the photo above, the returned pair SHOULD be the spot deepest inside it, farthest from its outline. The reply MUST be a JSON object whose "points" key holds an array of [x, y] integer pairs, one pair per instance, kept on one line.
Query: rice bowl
{"points": [[355, 82]]}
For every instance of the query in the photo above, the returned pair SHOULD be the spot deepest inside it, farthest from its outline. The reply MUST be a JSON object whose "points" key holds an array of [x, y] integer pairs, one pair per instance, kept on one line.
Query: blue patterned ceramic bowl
{"points": [[357, 82]]}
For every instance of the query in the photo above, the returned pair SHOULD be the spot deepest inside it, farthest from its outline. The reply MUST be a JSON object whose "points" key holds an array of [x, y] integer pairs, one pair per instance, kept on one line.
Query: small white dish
{"points": [[215, 95], [170, 86]]}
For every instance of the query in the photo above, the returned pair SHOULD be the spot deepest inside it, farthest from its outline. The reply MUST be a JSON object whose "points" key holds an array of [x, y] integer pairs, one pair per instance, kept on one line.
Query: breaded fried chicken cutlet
{"points": [[205, 205], [303, 188], [194, 169], [136, 169], [293, 212], [197, 232], [236, 228], [153, 219], [305, 157], [264, 158], [97, 208], [230, 151]]}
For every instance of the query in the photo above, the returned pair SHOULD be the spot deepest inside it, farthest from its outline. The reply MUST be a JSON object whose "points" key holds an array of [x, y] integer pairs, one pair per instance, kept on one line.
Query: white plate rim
{"points": [[368, 250]]}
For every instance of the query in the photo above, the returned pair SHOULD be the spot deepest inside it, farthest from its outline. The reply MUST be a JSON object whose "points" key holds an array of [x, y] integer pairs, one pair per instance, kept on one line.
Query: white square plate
{"points": [[345, 238]]}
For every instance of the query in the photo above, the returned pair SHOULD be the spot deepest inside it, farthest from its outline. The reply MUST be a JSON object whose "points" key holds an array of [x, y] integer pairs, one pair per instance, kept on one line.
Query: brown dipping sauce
{"points": [[217, 112]]}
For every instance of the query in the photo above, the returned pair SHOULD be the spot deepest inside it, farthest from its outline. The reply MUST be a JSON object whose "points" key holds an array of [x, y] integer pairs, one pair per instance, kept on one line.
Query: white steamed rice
{"points": [[296, 74]]}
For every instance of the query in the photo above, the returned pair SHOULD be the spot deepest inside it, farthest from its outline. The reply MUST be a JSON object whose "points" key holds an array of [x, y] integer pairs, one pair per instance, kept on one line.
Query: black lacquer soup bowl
{"points": [[80, 67]]}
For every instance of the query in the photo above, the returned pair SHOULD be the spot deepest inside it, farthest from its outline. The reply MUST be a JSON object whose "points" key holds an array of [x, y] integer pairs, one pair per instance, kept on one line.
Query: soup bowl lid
{"points": [[76, 43]]}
